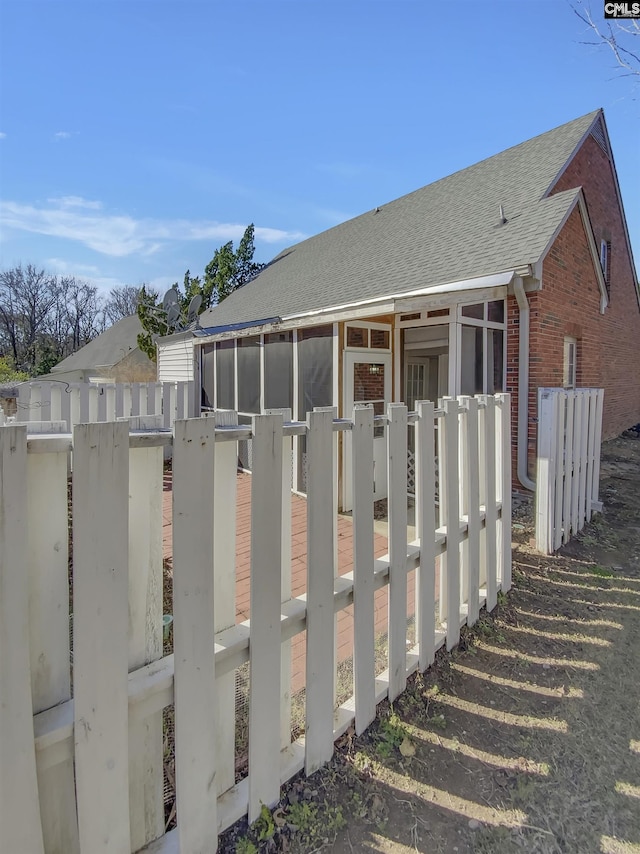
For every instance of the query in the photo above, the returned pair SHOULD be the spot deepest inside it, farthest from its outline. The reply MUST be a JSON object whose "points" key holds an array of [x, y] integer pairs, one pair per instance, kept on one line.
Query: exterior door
{"points": [[367, 379]]}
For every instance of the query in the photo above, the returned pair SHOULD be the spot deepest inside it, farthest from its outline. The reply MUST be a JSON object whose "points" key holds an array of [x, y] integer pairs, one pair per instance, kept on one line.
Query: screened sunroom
{"points": [[459, 348]]}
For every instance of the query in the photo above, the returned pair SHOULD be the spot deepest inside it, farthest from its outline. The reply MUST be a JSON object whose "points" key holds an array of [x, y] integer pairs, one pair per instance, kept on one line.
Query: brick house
{"points": [[514, 272]]}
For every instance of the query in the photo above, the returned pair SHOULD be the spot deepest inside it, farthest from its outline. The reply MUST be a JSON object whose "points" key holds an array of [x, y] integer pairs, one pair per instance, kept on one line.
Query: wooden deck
{"points": [[298, 567]]}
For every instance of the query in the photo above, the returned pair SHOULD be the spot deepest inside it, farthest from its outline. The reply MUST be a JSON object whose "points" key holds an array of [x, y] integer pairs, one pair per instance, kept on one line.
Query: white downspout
{"points": [[523, 385]]}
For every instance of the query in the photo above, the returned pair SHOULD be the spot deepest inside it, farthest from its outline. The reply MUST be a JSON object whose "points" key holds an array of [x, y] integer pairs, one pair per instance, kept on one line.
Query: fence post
{"points": [[320, 616], [101, 587], [49, 628], [285, 656], [146, 772], [19, 803], [545, 468], [264, 649], [426, 527], [194, 634]]}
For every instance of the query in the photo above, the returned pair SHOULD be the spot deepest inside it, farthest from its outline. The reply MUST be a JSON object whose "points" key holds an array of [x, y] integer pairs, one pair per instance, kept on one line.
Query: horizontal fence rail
{"points": [[81, 403], [85, 715], [568, 463]]}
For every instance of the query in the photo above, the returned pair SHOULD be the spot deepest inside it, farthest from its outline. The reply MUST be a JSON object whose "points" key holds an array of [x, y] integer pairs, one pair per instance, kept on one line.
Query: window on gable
{"points": [[570, 362], [605, 261]]}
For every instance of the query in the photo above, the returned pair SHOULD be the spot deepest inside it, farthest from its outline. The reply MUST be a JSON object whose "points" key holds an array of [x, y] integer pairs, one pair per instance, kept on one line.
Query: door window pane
{"points": [[368, 387], [357, 336], [380, 339]]}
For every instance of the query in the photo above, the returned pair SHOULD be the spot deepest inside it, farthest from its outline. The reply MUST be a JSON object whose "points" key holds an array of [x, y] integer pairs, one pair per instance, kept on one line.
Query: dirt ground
{"points": [[526, 738]]}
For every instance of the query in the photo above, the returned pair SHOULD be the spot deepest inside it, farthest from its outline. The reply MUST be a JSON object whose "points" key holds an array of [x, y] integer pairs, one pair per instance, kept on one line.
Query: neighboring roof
{"points": [[447, 231], [105, 350]]}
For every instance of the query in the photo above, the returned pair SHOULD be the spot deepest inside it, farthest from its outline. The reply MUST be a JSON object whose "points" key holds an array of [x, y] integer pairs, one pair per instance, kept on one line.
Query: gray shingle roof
{"points": [[105, 350], [445, 232]]}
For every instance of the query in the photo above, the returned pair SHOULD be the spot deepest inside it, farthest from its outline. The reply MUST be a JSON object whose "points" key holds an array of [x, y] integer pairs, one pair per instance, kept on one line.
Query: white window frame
{"points": [[569, 365]]}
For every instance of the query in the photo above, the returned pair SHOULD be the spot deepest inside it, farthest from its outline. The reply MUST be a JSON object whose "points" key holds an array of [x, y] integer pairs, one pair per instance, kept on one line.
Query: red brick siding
{"points": [[569, 305]]}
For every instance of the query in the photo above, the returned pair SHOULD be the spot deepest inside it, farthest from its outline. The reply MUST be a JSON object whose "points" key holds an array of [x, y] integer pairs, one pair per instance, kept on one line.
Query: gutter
{"points": [[523, 384]]}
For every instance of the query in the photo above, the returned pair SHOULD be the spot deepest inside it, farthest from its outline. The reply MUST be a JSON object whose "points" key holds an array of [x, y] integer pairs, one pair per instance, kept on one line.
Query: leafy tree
{"points": [[227, 271], [8, 373]]}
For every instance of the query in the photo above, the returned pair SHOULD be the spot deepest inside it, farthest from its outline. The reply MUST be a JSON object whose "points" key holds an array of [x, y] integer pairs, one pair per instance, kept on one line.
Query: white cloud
{"points": [[62, 134], [75, 202], [3, 135], [120, 235]]}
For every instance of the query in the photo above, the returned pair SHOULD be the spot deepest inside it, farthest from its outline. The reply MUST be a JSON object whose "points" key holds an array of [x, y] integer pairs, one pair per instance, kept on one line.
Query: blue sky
{"points": [[136, 136]]}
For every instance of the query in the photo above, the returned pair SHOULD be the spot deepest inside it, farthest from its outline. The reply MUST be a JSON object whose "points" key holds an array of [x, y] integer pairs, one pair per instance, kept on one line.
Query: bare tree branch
{"points": [[616, 36]]}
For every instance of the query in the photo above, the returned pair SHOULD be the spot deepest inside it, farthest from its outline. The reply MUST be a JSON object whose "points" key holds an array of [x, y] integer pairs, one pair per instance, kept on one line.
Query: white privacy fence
{"points": [[81, 403], [568, 467], [81, 735]]}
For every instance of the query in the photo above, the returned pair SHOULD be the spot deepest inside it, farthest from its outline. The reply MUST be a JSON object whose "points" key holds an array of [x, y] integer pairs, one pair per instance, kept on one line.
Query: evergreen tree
{"points": [[227, 271]]}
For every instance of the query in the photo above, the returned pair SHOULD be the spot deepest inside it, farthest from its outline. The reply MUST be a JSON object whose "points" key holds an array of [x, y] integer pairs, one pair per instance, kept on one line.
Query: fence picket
{"points": [[320, 574], [575, 482], [472, 510], [584, 400], [224, 580], [19, 803], [491, 512], [193, 634], [100, 593], [264, 649], [49, 632], [560, 467], [146, 775], [504, 449], [592, 403], [426, 526], [363, 555], [397, 491], [568, 470], [450, 572]]}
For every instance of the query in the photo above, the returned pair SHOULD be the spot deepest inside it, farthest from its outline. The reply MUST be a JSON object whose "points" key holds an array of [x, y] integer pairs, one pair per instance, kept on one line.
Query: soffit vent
{"points": [[597, 132]]}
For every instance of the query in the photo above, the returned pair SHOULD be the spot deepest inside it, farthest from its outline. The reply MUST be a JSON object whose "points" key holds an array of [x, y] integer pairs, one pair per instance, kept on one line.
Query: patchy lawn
{"points": [[527, 738]]}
